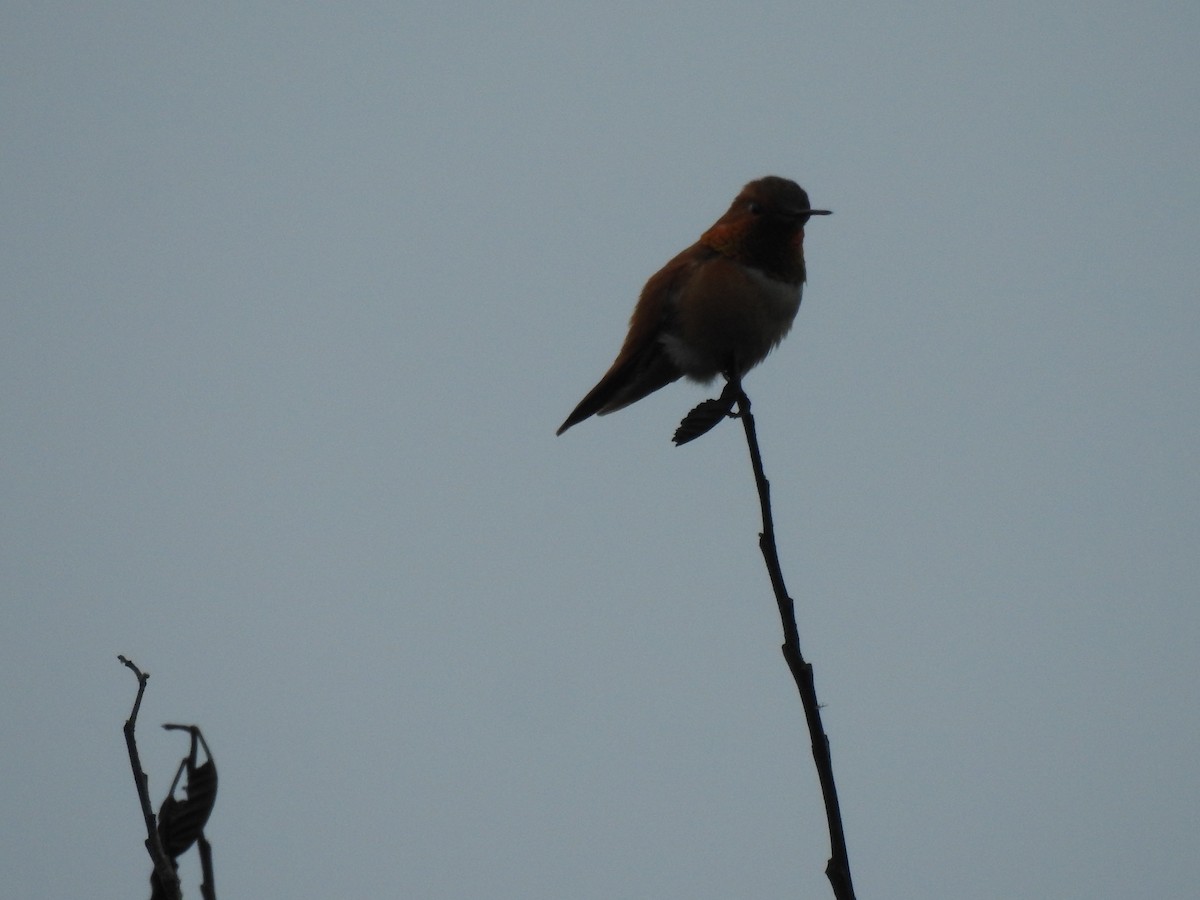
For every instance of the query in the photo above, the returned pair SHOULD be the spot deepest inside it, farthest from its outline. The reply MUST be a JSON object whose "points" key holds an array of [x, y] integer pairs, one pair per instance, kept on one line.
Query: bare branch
{"points": [[208, 887], [838, 868], [164, 870], [702, 419]]}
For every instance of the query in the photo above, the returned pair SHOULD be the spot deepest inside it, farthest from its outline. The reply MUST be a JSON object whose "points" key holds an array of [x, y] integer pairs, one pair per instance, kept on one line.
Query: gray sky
{"points": [[294, 297]]}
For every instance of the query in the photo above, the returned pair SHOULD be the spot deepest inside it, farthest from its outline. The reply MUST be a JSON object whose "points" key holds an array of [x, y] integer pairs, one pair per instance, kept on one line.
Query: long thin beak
{"points": [[816, 212]]}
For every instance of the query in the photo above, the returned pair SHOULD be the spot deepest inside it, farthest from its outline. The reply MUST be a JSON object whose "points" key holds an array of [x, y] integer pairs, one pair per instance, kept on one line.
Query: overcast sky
{"points": [[295, 295]]}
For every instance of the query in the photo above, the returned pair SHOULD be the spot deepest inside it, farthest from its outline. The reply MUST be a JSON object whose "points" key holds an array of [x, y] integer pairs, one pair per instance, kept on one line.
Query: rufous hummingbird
{"points": [[720, 306]]}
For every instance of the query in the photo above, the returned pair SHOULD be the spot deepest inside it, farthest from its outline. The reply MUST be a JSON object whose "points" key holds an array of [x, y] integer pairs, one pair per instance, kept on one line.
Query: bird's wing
{"points": [[643, 365]]}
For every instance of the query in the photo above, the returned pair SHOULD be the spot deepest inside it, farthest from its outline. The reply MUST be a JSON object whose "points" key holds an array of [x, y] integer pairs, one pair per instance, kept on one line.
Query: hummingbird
{"points": [[720, 306]]}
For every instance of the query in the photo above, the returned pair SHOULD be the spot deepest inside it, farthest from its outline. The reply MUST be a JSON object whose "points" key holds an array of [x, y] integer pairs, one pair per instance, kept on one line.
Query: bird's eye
{"points": [[755, 208]]}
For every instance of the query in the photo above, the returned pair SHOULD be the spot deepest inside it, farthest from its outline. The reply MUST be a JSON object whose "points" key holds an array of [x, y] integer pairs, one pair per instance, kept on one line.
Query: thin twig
{"points": [[838, 868], [208, 887], [168, 878]]}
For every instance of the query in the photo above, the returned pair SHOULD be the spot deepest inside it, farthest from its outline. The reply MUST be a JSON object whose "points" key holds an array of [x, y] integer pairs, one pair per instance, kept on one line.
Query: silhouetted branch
{"points": [[180, 822], [700, 420], [838, 868], [165, 876], [208, 888]]}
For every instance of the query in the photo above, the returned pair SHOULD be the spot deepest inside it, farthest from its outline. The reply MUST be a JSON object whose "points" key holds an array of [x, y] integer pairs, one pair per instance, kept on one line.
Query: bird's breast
{"points": [[730, 317]]}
